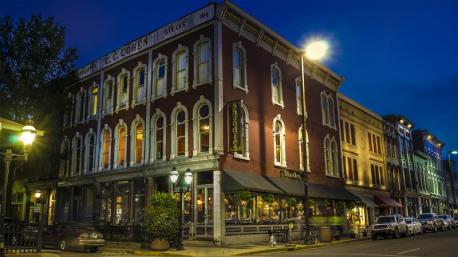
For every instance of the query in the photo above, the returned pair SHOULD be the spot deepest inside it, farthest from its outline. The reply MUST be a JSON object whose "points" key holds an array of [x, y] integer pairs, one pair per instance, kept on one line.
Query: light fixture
{"points": [[28, 134], [174, 175], [401, 121], [316, 49], [188, 176], [37, 194], [454, 152]]}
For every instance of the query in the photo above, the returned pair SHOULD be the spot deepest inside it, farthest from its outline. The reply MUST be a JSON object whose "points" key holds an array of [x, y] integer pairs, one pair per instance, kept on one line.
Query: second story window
{"points": [[180, 68], [123, 91], [94, 101], [279, 142], [276, 79], [374, 143], [328, 110], [108, 96], [350, 166], [139, 89], [331, 157], [377, 175], [202, 61], [347, 132], [160, 77], [239, 79]]}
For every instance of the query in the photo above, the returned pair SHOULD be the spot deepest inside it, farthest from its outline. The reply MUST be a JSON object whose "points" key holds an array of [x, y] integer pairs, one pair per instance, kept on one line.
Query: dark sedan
{"points": [[78, 236]]}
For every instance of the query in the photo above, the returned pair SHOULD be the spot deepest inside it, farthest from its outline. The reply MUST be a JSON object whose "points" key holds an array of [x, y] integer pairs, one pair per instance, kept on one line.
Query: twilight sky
{"points": [[397, 56]]}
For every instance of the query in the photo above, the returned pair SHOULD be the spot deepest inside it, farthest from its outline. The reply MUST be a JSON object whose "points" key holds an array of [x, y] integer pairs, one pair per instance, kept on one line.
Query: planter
{"points": [[160, 245]]}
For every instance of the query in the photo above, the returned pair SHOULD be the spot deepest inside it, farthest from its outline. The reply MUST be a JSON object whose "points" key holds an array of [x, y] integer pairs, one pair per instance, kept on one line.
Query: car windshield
{"points": [[425, 216], [385, 219]]}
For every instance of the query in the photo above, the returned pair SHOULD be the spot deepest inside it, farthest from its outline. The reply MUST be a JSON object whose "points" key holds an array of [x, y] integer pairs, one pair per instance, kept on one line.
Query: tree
{"points": [[35, 68]]}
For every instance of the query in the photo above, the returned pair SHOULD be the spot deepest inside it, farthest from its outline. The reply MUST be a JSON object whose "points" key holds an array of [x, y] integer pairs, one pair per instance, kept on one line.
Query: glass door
{"points": [[204, 211]]}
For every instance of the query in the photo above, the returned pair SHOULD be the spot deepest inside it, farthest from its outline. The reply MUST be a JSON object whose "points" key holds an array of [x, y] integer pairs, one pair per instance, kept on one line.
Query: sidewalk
{"points": [[207, 249]]}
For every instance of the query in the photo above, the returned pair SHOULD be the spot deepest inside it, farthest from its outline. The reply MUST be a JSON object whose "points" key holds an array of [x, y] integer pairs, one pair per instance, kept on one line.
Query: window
{"points": [[239, 67], [180, 69], [374, 143], [331, 157], [350, 168], [179, 132], [139, 88], [328, 110], [68, 111], [243, 150], [279, 142], [90, 152], [123, 90], [108, 95], [121, 147], [202, 61], [301, 149], [347, 132], [158, 136], [377, 175], [78, 107], [137, 147], [298, 96], [276, 78], [77, 154], [202, 127], [65, 158], [160, 77], [93, 101], [106, 147]]}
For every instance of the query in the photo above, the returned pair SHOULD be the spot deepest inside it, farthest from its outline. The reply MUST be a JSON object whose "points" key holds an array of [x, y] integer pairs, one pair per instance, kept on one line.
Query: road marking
{"points": [[408, 251]]}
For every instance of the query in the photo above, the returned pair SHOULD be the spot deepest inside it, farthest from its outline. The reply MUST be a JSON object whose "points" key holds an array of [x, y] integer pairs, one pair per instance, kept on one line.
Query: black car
{"points": [[72, 235], [429, 222]]}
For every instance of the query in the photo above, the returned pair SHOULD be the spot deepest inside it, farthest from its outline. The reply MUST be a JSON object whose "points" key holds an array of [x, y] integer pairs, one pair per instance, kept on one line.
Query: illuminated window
{"points": [[160, 77], [243, 150], [202, 127], [202, 61], [158, 136], [179, 132], [108, 95], [106, 148], [350, 166], [137, 146], [239, 67], [121, 145], [276, 79], [279, 142]]}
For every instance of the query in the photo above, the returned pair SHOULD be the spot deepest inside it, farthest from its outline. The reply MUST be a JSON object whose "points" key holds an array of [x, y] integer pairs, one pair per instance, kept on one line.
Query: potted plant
{"points": [[161, 220]]}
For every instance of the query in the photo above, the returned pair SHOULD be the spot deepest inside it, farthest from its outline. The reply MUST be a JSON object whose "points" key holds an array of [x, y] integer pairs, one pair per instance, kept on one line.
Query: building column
{"points": [[97, 203], [218, 209], [150, 190], [405, 207], [420, 207]]}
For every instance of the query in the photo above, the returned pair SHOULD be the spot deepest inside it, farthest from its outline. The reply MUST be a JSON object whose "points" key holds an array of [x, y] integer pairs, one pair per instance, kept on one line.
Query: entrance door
{"points": [[204, 211]]}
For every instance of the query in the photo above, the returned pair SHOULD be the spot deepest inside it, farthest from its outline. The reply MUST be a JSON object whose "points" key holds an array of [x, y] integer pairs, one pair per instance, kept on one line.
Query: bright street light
{"points": [[174, 175], [28, 135], [454, 152], [38, 194], [317, 49]]}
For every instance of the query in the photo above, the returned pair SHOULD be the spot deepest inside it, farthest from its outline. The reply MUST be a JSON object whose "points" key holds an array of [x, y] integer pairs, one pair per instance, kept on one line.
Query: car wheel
{"points": [[62, 245]]}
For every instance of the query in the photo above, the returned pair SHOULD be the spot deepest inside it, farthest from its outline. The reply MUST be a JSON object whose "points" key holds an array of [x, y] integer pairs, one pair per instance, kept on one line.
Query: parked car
{"points": [[386, 226], [429, 222], [445, 222], [413, 226], [73, 236], [451, 221]]}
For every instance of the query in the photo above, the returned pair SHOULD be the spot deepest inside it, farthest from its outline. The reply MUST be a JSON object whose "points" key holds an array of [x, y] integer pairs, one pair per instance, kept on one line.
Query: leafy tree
{"points": [[161, 217], [35, 67]]}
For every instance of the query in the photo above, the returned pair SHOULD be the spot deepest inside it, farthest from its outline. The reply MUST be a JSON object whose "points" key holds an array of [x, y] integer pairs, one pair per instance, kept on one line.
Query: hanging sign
{"points": [[235, 126]]}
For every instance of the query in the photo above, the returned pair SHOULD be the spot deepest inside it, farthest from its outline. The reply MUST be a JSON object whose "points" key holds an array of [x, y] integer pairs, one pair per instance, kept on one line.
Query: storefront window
{"points": [[122, 203], [139, 201]]}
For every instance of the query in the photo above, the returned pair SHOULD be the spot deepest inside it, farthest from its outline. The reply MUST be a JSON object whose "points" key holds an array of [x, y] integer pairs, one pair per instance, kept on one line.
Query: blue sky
{"points": [[397, 56]]}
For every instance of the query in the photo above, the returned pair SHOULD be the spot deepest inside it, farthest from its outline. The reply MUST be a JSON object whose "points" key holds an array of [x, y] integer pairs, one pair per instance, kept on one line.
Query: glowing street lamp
{"points": [[317, 50]]}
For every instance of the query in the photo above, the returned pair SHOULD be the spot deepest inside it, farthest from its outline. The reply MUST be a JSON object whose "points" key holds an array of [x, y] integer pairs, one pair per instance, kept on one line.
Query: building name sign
{"points": [[290, 174], [184, 24]]}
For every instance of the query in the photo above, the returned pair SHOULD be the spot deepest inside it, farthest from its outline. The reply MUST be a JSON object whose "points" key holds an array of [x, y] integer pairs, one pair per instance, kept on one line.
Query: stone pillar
{"points": [[420, 207], [405, 207], [218, 209]]}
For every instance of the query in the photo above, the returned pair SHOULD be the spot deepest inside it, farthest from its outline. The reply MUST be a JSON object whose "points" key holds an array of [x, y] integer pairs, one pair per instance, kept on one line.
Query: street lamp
{"points": [[449, 154], [174, 175], [315, 50]]}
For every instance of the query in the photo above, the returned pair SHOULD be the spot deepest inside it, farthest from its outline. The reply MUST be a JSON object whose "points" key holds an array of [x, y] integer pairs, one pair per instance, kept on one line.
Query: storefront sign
{"points": [[235, 126], [184, 24], [290, 174]]}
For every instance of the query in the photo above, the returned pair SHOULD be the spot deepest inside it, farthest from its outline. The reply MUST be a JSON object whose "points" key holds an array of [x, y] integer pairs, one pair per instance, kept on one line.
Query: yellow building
{"points": [[364, 161]]}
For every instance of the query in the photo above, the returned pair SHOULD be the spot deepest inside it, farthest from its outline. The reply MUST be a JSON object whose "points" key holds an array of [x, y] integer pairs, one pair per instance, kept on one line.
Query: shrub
{"points": [[161, 217]]}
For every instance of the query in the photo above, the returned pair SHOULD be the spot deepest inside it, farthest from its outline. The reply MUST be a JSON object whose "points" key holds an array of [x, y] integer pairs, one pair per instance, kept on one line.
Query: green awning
{"points": [[234, 181], [368, 201], [330, 192], [288, 185]]}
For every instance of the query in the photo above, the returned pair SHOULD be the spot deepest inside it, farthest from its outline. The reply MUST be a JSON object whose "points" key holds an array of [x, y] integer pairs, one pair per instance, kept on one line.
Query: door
{"points": [[204, 211]]}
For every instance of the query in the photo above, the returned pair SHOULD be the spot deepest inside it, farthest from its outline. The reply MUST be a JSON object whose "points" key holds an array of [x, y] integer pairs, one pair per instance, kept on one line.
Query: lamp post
{"points": [[174, 175], [315, 50], [27, 137], [449, 154]]}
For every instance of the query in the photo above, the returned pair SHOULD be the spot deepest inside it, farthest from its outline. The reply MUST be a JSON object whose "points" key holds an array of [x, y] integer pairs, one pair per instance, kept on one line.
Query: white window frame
{"points": [[331, 156], [235, 47], [298, 87], [133, 141], [173, 125], [246, 155], [120, 124], [329, 114], [111, 80], [86, 152], [123, 72], [280, 86], [156, 115], [196, 125], [90, 115], [136, 82], [101, 167], [174, 89], [75, 148], [282, 162], [159, 58], [197, 61]]}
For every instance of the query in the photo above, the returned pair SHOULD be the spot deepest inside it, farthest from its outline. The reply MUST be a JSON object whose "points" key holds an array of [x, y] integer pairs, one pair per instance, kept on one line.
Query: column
{"points": [[218, 209], [97, 203], [420, 207], [405, 207], [150, 190]]}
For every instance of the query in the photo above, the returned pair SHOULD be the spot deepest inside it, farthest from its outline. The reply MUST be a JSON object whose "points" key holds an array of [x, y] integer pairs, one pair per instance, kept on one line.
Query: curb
{"points": [[158, 253]]}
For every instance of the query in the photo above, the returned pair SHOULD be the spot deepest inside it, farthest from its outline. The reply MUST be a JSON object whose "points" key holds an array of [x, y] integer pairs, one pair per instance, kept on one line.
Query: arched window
{"points": [[203, 130], [137, 139], [65, 159], [276, 79], [279, 142], [328, 110], [139, 85], [180, 69], [106, 148], [77, 154], [179, 132], [301, 149], [331, 157], [335, 158], [158, 125], [93, 101], [121, 145], [123, 90], [202, 61], [160, 77], [90, 153], [239, 78], [243, 150], [108, 95]]}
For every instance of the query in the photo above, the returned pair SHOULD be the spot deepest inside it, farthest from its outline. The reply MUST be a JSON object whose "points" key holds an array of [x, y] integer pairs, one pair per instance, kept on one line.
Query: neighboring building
{"points": [[434, 179], [451, 184], [403, 175], [364, 158], [216, 92]]}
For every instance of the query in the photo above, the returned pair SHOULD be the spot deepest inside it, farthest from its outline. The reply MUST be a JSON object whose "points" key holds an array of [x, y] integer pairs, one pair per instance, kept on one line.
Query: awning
{"points": [[368, 201], [386, 202], [329, 192], [290, 186], [234, 181]]}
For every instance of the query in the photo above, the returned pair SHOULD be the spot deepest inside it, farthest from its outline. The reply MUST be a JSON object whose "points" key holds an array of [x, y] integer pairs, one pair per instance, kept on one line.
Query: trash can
{"points": [[325, 234]]}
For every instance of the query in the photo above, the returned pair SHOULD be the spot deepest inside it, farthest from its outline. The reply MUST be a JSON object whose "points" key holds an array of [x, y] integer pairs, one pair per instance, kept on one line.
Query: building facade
{"points": [[218, 93]]}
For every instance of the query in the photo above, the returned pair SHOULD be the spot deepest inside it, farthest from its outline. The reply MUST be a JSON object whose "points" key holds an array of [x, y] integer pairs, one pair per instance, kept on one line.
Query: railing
{"points": [[20, 237]]}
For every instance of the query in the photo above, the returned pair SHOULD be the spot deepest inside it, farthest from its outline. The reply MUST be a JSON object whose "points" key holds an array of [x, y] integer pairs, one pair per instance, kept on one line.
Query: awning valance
{"points": [[290, 186], [386, 202], [368, 201], [332, 193], [234, 181]]}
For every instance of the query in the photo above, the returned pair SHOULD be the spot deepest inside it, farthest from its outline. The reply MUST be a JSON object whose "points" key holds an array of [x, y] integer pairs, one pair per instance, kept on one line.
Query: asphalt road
{"points": [[442, 244]]}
